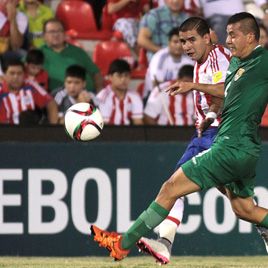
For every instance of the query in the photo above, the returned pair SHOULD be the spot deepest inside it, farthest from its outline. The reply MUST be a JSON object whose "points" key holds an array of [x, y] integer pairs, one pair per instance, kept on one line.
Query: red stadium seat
{"points": [[107, 51], [107, 21], [78, 16], [140, 71]]}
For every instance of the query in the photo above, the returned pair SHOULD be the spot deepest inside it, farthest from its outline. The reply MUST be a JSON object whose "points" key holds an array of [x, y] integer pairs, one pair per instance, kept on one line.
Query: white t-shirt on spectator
{"points": [[164, 67]]}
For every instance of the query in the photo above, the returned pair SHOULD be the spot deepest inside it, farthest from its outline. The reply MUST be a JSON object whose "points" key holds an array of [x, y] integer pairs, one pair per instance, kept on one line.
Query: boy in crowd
{"points": [[34, 68], [119, 105], [73, 91], [162, 109], [18, 96]]}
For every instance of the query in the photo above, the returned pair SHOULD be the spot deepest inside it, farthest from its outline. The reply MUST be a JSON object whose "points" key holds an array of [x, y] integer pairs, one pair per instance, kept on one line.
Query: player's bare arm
{"points": [[179, 87]]}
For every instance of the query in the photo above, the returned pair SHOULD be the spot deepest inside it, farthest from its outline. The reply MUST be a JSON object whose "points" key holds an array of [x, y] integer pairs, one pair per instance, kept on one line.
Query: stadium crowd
{"points": [[45, 66]]}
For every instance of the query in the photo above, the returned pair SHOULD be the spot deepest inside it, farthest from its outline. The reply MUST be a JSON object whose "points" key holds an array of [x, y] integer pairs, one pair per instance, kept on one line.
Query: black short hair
{"points": [[35, 56], [11, 61], [76, 71], [52, 20], [248, 23], [195, 23], [119, 66], [173, 31], [186, 70]]}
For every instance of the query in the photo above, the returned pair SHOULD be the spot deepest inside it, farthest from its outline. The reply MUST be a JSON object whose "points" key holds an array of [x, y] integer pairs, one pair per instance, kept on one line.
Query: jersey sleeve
{"points": [[105, 105], [222, 63], [153, 106], [137, 108], [40, 96]]}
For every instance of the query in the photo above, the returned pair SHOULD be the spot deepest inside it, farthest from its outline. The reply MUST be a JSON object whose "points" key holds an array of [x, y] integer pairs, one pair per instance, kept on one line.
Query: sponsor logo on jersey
{"points": [[239, 73]]}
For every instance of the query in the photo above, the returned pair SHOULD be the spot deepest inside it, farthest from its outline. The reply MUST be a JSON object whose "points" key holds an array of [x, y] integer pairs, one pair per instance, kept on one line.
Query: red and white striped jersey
{"points": [[28, 97], [119, 112], [212, 71], [180, 107]]}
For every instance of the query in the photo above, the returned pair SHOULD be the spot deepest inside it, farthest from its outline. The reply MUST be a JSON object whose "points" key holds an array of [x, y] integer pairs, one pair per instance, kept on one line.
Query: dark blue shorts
{"points": [[197, 145]]}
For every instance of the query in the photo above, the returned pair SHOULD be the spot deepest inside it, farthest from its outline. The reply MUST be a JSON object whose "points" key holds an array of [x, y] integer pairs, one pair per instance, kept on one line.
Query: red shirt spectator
{"points": [[28, 97], [19, 96], [41, 78]]}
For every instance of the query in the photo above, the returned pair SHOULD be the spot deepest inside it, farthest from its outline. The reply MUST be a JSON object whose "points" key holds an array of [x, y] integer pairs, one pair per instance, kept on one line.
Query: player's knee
{"points": [[168, 188]]}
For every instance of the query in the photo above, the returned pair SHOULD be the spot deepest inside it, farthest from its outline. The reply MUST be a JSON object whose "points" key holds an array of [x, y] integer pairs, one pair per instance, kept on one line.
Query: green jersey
{"points": [[246, 95]]}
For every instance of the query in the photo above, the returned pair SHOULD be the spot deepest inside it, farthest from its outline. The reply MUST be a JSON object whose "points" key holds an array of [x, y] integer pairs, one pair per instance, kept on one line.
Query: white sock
{"points": [[168, 227]]}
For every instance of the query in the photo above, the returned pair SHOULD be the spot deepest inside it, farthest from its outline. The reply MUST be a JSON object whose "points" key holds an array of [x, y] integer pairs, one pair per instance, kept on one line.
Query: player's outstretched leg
{"points": [[161, 249], [263, 232], [110, 241]]}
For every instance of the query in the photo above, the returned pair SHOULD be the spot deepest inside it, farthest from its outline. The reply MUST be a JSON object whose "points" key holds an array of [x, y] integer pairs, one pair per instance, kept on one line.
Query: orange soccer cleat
{"points": [[110, 241]]}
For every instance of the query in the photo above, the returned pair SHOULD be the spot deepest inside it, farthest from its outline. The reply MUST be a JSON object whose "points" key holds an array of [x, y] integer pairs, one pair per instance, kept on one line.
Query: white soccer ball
{"points": [[83, 121]]}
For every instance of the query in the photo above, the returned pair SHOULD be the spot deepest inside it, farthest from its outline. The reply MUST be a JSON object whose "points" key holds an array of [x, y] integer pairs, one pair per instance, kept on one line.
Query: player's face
{"points": [[14, 77], [54, 35], [237, 41], [120, 81], [195, 46], [175, 47], [74, 86]]}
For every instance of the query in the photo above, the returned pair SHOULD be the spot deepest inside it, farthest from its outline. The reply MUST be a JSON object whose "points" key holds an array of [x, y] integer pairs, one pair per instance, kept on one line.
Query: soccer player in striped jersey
{"points": [[230, 163], [210, 69]]}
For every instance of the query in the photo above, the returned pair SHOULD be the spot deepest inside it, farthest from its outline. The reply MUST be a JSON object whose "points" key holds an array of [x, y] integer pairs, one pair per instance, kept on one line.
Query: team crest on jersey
{"points": [[217, 77], [239, 73]]}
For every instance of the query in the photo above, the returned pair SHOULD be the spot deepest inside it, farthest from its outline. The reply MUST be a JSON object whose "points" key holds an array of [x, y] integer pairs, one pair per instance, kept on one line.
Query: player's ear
{"points": [[207, 38], [251, 38]]}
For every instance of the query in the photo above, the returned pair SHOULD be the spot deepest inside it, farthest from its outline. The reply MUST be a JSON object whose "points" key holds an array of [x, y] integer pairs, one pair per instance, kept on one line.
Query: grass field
{"points": [[133, 262]]}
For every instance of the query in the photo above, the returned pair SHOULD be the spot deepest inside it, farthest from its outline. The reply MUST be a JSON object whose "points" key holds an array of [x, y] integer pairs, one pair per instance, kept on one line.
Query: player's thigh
{"points": [[176, 186]]}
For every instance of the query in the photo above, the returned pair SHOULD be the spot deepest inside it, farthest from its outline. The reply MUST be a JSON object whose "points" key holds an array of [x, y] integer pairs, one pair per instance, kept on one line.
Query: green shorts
{"points": [[223, 164]]}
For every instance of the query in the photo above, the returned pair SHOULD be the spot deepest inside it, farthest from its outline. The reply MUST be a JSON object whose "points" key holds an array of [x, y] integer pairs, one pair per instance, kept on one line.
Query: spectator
{"points": [[166, 62], [118, 105], [13, 26], [73, 91], [157, 23], [59, 55], [126, 15], [18, 95], [163, 109], [37, 14], [34, 68]]}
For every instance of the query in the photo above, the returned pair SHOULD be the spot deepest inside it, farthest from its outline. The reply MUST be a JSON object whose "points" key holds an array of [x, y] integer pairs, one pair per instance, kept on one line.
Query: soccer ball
{"points": [[83, 122]]}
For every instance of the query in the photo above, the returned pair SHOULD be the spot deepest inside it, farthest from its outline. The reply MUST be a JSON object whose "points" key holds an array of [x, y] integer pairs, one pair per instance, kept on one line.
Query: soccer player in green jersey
{"points": [[230, 163]]}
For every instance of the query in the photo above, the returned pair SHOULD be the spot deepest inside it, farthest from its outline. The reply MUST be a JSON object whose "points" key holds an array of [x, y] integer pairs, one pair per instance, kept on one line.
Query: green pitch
{"points": [[134, 262]]}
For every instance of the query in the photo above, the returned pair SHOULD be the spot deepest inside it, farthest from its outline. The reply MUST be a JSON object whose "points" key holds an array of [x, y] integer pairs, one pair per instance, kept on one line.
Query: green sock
{"points": [[148, 220], [264, 222]]}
